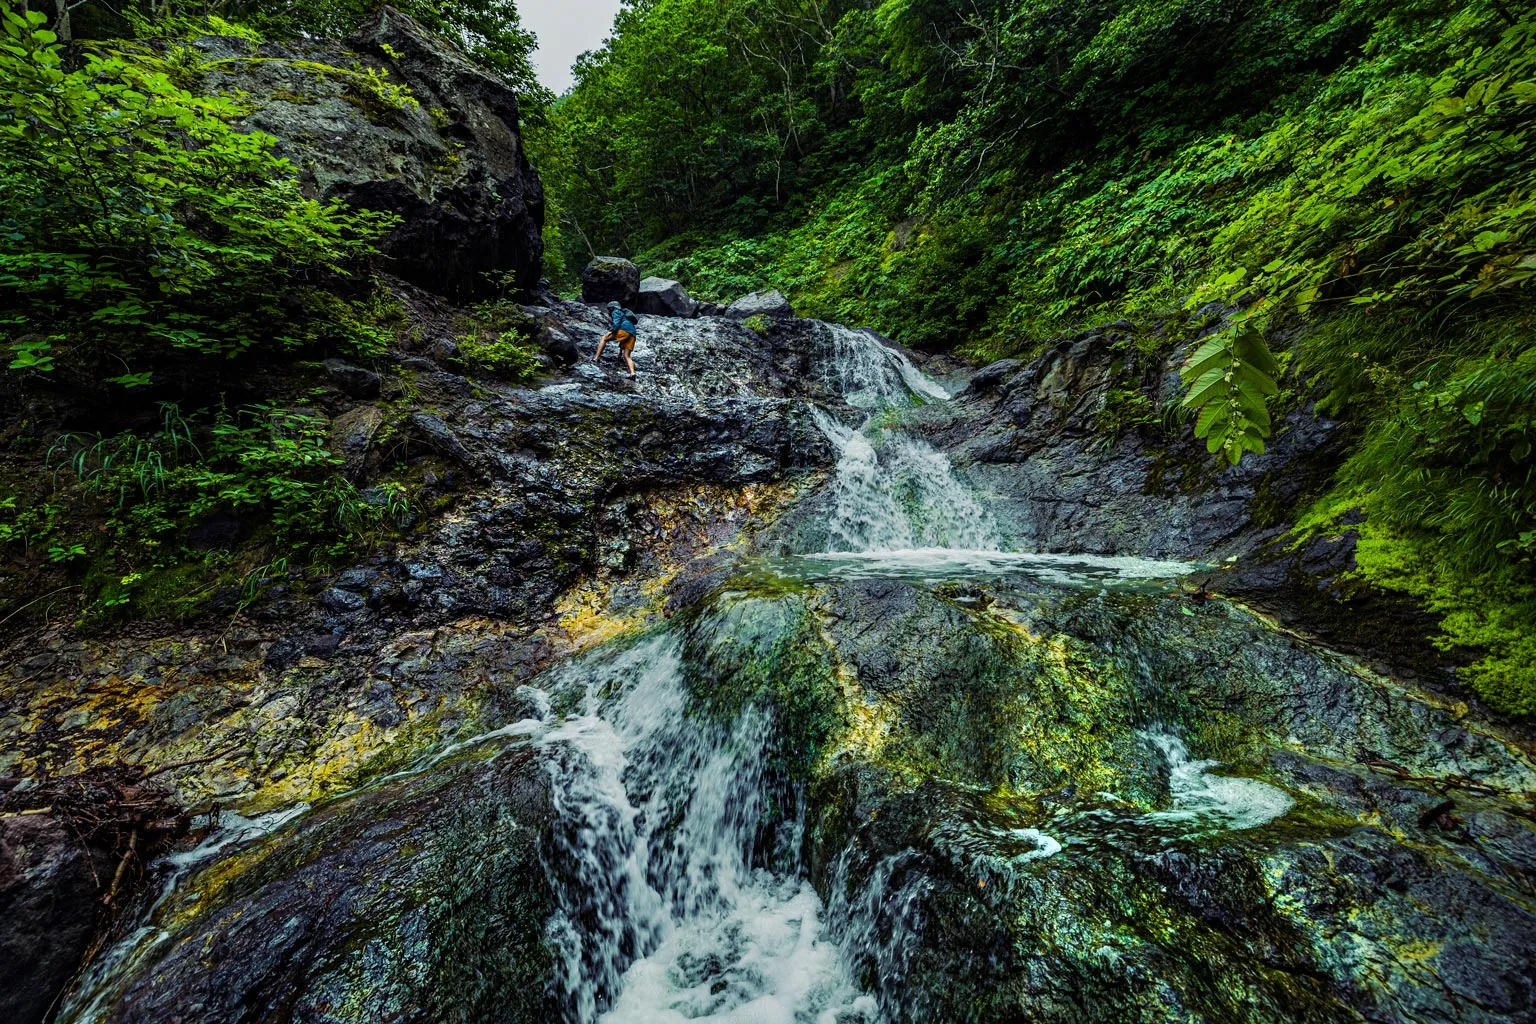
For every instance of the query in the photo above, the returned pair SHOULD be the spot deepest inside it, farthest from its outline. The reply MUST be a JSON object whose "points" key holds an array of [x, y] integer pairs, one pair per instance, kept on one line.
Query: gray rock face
{"points": [[1068, 455], [660, 297], [423, 900], [451, 167], [49, 900], [353, 380], [610, 279], [769, 304], [430, 429], [351, 438]]}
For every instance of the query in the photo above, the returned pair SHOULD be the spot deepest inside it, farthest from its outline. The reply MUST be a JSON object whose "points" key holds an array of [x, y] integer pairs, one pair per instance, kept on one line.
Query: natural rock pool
{"points": [[882, 769]]}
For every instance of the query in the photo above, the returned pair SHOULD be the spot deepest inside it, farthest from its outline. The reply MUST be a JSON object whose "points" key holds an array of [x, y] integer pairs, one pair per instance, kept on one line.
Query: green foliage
{"points": [[490, 32], [1126, 409], [498, 342], [1230, 378], [758, 324], [188, 492], [1358, 177], [34, 527], [139, 220]]}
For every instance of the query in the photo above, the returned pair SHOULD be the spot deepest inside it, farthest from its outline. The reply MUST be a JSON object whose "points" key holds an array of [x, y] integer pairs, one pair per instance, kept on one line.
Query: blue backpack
{"points": [[622, 319]]}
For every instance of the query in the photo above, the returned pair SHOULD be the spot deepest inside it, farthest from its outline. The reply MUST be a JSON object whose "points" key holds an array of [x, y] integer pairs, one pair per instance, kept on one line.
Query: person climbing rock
{"points": [[623, 323]]}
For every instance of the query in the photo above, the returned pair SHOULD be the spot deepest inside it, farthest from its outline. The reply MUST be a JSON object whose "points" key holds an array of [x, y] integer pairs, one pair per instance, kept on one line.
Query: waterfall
{"points": [[871, 375], [894, 493], [891, 492], [664, 914]]}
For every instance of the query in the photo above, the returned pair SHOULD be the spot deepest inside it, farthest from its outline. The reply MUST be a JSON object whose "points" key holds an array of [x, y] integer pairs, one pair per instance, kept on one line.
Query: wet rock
{"points": [[1311, 588], [422, 900], [1070, 453], [49, 903], [437, 435], [769, 303], [993, 374], [1322, 914], [353, 380], [553, 336], [471, 208], [660, 297], [351, 438], [610, 279], [339, 600]]}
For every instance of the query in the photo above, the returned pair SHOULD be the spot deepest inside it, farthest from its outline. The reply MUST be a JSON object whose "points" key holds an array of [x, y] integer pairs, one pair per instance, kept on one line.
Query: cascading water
{"points": [[900, 496], [675, 853], [671, 908], [870, 375], [891, 492], [668, 911]]}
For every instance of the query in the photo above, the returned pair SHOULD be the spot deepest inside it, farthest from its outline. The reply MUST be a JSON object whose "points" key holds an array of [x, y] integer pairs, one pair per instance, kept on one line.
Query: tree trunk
{"points": [[61, 21]]}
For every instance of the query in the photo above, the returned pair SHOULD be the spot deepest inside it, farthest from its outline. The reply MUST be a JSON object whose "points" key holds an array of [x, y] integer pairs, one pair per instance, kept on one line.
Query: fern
{"points": [[1230, 377]]}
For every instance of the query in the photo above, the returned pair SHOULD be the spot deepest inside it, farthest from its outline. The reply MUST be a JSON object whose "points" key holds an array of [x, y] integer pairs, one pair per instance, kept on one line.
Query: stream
{"points": [[897, 774]]}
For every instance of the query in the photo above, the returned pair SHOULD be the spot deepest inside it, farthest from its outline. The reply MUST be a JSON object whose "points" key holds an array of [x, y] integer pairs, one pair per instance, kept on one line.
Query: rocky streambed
{"points": [[809, 735]]}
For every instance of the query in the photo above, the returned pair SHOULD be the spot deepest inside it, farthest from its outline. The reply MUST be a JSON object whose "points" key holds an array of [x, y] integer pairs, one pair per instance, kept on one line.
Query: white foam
{"points": [[764, 961], [894, 493], [941, 561], [1045, 846], [1225, 801], [662, 917], [871, 375]]}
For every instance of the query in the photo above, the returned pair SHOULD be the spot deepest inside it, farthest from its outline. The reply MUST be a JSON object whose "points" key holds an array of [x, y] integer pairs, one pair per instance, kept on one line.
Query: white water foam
{"points": [[664, 916], [894, 493], [947, 563], [871, 375], [1224, 801]]}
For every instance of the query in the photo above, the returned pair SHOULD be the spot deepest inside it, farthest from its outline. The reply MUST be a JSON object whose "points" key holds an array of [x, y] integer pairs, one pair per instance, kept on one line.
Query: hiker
{"points": [[623, 323]]}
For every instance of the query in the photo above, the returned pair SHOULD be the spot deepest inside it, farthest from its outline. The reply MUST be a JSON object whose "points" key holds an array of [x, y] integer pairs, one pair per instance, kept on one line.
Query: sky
{"points": [[565, 28]]}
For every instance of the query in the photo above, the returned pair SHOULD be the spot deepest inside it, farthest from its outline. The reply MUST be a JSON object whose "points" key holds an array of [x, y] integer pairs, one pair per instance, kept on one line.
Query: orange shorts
{"points": [[626, 341]]}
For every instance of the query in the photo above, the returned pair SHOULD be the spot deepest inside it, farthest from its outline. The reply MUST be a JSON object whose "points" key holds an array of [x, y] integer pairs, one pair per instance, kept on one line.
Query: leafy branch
{"points": [[1229, 379]]}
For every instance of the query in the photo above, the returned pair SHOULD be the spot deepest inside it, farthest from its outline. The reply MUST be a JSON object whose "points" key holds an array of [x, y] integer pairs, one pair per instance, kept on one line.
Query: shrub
{"points": [[138, 220]]}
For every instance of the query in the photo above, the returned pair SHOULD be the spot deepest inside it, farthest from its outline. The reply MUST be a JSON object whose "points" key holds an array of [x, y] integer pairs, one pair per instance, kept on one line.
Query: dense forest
{"points": [[1358, 177]]}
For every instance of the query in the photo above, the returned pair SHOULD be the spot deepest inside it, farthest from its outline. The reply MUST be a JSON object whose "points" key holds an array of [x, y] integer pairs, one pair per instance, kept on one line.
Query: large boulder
{"points": [[419, 900], [610, 279], [49, 901], [449, 162], [660, 297], [769, 303]]}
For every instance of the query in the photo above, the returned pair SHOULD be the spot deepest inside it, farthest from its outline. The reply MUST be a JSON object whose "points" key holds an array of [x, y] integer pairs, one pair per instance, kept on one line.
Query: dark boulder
{"points": [[660, 297], [552, 335], [353, 380], [49, 900], [450, 165], [431, 431], [769, 303], [992, 374], [610, 279], [420, 900]]}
